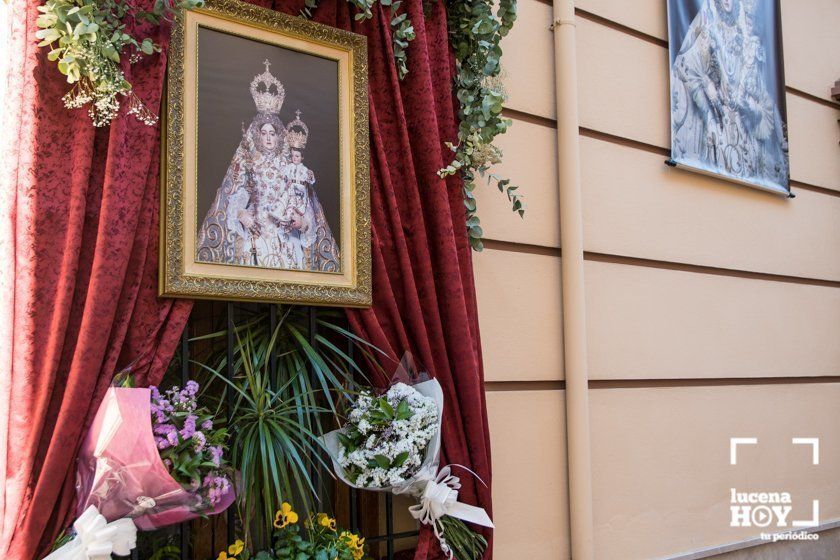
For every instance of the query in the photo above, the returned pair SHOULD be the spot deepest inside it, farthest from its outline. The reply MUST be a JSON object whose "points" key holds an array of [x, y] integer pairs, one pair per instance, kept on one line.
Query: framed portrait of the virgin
{"points": [[265, 173]]}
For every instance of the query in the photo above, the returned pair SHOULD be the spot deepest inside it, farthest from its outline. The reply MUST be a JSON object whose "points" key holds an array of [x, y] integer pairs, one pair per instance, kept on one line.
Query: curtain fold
{"points": [[80, 244], [423, 289], [80, 220]]}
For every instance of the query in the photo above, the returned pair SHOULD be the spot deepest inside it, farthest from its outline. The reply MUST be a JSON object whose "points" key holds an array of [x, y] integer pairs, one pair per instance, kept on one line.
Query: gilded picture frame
{"points": [[276, 210]]}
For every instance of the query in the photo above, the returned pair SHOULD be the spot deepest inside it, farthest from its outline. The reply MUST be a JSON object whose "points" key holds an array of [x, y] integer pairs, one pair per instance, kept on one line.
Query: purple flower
{"points": [[162, 443], [207, 425], [155, 393], [191, 388], [164, 429], [200, 441], [216, 455], [189, 427], [172, 437], [216, 486], [158, 413]]}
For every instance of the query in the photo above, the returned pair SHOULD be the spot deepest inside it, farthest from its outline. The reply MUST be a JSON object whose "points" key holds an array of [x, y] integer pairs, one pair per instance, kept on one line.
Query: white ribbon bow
{"points": [[96, 539], [439, 498]]}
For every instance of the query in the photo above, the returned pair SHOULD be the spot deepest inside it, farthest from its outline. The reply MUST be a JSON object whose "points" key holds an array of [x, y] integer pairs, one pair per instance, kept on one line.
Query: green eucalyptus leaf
{"points": [[386, 407], [382, 461], [403, 411], [400, 460]]}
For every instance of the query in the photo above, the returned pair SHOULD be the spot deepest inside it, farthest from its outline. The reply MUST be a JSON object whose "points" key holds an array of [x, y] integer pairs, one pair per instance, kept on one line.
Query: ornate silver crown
{"points": [[297, 133], [267, 91]]}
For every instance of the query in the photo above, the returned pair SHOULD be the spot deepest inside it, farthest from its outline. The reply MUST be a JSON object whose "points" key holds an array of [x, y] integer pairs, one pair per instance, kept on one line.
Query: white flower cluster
{"points": [[382, 449]]}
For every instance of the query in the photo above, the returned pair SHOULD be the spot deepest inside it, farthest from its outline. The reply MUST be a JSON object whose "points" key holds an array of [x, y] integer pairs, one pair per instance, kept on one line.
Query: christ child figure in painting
{"points": [[296, 234], [259, 218]]}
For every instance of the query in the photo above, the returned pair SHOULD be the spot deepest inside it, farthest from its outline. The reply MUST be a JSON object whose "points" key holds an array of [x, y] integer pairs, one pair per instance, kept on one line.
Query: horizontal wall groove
{"points": [[813, 188], [648, 38], [531, 249], [811, 97], [525, 248], [665, 152], [529, 117], [595, 383], [639, 383], [621, 27], [614, 139], [704, 269], [637, 145], [492, 386]]}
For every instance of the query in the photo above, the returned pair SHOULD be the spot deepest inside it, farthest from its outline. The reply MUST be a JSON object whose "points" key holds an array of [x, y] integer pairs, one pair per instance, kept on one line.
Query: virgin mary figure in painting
{"points": [[725, 112], [266, 213]]}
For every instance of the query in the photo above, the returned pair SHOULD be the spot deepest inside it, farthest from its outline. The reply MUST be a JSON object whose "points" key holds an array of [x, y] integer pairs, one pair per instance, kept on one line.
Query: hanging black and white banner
{"points": [[728, 114]]}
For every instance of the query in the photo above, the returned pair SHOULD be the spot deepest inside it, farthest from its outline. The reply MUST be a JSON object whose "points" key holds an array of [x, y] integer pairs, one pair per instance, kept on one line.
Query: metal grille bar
{"points": [[389, 525]]}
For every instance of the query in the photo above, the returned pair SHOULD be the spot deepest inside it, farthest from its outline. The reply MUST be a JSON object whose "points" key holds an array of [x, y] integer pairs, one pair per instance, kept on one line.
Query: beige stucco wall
{"points": [[713, 311]]}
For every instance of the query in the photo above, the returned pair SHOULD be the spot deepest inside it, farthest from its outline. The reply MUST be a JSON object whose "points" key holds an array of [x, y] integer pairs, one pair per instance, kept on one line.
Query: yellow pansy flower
{"points": [[223, 556], [354, 543], [236, 548], [326, 521], [285, 516]]}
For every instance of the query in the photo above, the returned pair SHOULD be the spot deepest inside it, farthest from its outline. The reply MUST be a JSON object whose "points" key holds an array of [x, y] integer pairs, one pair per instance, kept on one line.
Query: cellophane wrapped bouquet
{"points": [[391, 443], [154, 457], [384, 441], [150, 459]]}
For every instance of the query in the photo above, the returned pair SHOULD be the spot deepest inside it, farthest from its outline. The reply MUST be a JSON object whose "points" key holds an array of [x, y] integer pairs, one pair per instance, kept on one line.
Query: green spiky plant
{"points": [[286, 388]]}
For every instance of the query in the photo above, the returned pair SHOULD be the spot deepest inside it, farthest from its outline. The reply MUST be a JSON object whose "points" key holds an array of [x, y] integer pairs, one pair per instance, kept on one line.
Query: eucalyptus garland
{"points": [[402, 32], [476, 33], [88, 40]]}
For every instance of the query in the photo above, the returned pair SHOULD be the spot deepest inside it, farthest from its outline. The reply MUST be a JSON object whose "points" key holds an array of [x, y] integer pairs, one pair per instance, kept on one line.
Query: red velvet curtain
{"points": [[79, 246], [423, 290], [82, 225]]}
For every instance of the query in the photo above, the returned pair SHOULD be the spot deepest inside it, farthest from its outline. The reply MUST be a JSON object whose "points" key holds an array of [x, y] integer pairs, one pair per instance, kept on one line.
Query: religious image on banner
{"points": [[728, 114]]}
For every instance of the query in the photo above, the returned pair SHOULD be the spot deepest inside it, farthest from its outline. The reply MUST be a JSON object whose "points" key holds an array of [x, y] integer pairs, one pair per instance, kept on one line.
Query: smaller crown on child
{"points": [[297, 133]]}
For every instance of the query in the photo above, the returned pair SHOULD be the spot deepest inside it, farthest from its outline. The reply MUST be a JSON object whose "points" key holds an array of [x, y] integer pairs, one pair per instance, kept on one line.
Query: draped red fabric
{"points": [[423, 289], [82, 220], [79, 247]]}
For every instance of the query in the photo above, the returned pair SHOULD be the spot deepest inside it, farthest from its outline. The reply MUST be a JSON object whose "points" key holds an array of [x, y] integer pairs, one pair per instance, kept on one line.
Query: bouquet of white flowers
{"points": [[384, 441], [391, 443]]}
